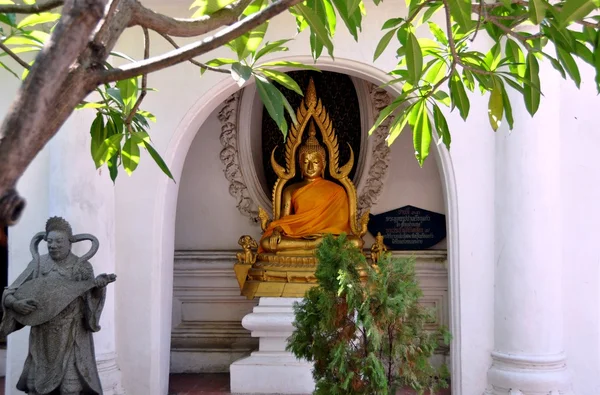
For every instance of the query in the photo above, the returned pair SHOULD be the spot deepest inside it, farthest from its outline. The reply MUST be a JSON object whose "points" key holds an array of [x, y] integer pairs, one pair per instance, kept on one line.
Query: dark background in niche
{"points": [[338, 95]]}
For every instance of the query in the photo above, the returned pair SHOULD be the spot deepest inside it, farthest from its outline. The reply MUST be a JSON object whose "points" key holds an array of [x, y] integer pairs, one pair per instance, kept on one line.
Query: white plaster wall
{"points": [[580, 185], [204, 201]]}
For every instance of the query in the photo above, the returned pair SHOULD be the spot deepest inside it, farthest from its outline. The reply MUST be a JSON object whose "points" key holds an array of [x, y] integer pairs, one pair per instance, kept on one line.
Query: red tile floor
{"points": [[206, 384]]}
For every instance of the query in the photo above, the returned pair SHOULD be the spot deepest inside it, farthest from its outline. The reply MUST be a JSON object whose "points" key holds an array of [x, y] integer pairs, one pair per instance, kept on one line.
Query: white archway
{"points": [[166, 205]]}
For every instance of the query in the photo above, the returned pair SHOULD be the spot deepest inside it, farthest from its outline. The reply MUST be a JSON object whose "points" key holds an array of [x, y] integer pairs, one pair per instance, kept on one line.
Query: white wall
{"points": [[204, 202], [580, 181]]}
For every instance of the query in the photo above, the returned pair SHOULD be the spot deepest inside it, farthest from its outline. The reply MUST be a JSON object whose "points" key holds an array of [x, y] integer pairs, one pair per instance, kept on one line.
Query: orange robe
{"points": [[319, 207]]}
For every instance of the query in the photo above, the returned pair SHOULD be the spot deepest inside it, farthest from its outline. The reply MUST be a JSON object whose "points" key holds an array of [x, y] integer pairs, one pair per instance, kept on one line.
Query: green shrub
{"points": [[363, 327]]}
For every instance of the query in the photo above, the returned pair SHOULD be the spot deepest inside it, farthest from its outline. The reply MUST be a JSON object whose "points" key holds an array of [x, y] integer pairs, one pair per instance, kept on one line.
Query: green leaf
{"points": [[496, 106], [23, 40], [414, 59], [383, 43], [128, 89], [122, 56], [130, 155], [492, 58], [147, 115], [207, 7], [507, 107], [556, 64], [398, 125], [220, 62], [441, 126], [436, 72], [97, 133], [438, 33], [574, 10], [443, 98], [352, 17], [240, 73], [290, 110], [316, 26], [390, 23], [5, 67], [461, 12], [113, 166], [584, 53], [517, 56], [386, 112], [570, 65], [36, 19], [430, 10], [91, 105], [8, 19], [354, 5], [326, 11], [469, 80], [271, 98], [290, 64], [107, 149], [282, 79], [537, 11], [530, 93], [157, 158], [422, 135], [271, 47], [459, 96]]}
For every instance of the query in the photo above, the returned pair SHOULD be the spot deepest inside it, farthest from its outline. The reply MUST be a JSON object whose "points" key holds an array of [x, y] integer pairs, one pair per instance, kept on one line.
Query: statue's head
{"points": [[312, 156], [59, 236]]}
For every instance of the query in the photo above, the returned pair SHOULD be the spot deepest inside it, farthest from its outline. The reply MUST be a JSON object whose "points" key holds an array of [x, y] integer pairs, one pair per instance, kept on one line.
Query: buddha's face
{"points": [[59, 245], [312, 165]]}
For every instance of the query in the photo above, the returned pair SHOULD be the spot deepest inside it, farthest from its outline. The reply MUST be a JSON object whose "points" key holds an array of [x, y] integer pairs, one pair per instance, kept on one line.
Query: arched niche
{"points": [[166, 207]]}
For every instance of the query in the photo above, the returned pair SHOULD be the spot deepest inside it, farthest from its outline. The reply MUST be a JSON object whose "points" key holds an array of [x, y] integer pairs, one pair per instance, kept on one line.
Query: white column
{"points": [[271, 369], [529, 353], [84, 196]]}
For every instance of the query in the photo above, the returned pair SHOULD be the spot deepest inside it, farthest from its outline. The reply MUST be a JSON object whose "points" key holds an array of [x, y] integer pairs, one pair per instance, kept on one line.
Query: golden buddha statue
{"points": [[303, 211], [311, 208]]}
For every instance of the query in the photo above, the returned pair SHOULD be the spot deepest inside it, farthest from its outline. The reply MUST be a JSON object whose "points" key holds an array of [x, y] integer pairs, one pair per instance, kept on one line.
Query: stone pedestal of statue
{"points": [[271, 369]]}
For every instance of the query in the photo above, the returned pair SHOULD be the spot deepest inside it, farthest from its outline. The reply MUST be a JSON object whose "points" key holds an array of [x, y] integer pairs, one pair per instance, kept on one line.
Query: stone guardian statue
{"points": [[61, 300]]}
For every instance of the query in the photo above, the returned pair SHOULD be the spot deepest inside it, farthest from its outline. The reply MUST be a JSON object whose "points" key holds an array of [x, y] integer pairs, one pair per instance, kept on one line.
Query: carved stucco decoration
{"points": [[230, 158], [380, 153], [368, 191]]}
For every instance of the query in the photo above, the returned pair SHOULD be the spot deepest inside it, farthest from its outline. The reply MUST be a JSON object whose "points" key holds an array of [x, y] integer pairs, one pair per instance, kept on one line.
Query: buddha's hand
{"points": [[25, 306], [102, 280], [275, 238]]}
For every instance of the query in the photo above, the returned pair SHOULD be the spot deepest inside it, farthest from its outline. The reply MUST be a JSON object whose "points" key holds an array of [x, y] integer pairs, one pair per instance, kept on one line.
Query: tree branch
{"points": [[14, 56], [31, 8], [194, 62], [179, 27], [456, 60], [23, 133], [138, 102], [190, 51]]}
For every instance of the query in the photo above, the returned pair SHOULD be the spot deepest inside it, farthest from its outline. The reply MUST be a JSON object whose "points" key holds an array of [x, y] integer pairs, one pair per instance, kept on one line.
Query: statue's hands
{"points": [[275, 238], [25, 306], [102, 280]]}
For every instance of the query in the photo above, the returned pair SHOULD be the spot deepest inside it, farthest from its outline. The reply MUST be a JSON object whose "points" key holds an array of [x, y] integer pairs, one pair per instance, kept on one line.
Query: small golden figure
{"points": [[247, 256], [378, 248]]}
